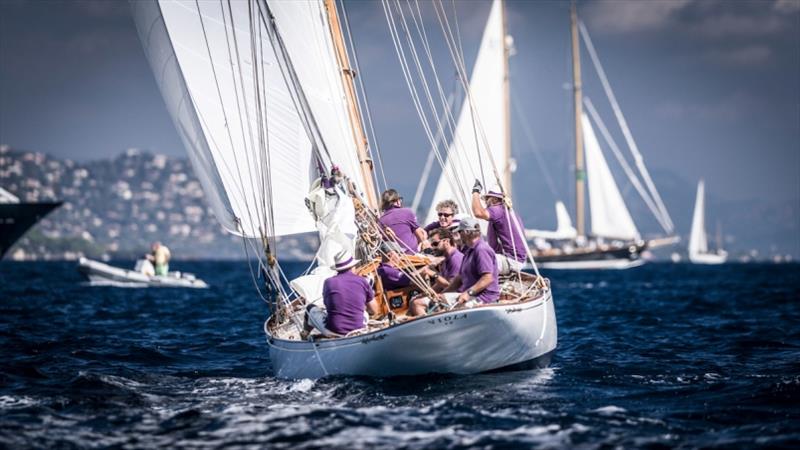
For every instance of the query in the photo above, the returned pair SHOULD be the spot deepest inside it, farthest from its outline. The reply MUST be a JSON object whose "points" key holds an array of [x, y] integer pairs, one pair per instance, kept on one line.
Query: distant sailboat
{"points": [[698, 242], [614, 242]]}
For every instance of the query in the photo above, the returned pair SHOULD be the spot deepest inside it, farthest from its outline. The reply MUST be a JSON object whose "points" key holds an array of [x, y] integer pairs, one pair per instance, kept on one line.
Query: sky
{"points": [[710, 88]]}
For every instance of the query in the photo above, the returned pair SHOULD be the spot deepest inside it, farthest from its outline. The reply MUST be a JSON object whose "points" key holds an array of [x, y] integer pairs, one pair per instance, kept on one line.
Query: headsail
{"points": [[610, 216], [467, 151], [564, 228], [697, 239], [222, 82]]}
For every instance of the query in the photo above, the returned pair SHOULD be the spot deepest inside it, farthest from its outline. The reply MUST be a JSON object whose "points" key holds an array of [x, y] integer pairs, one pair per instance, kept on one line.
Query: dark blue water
{"points": [[658, 356]]}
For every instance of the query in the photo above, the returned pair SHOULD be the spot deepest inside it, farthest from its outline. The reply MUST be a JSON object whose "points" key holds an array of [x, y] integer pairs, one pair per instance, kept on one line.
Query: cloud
{"points": [[621, 16], [734, 25], [713, 19], [747, 56], [726, 109], [787, 6]]}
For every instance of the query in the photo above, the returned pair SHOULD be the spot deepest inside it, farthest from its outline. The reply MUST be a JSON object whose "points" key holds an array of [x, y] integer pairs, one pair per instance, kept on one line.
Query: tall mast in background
{"points": [[580, 172], [348, 75], [507, 180]]}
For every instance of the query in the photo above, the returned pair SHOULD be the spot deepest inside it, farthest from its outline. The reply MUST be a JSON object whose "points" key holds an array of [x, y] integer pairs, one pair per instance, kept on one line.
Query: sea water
{"points": [[657, 356]]}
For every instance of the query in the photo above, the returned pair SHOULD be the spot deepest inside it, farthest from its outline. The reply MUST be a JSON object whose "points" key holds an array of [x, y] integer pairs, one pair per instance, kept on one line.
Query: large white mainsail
{"points": [[610, 216], [232, 105], [697, 239], [482, 116]]}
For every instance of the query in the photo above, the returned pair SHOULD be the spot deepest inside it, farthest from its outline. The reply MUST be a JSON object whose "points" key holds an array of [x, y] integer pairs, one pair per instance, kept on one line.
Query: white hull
{"points": [[465, 341], [102, 274], [599, 264], [708, 258]]}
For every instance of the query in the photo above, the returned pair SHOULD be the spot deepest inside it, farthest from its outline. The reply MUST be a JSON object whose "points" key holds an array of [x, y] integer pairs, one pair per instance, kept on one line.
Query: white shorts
{"points": [[506, 265]]}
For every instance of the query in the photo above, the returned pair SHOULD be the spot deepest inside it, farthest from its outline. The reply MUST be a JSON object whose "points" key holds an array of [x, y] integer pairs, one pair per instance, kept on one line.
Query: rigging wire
{"points": [[535, 149], [363, 90]]}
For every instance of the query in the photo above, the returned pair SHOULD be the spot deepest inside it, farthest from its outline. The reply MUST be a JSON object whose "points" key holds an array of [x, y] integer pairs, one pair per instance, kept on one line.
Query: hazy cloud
{"points": [[787, 6], [622, 16], [750, 55], [729, 108]]}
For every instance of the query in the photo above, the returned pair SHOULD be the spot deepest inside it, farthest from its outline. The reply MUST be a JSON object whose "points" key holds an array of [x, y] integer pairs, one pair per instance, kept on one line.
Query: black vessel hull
{"points": [[610, 257], [18, 218]]}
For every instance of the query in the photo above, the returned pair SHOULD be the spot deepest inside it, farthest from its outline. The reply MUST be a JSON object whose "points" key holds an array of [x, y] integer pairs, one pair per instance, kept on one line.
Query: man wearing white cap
{"points": [[346, 296], [503, 235]]}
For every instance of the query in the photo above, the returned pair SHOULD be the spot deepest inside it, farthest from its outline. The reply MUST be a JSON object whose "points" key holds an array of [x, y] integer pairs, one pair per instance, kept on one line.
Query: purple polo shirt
{"points": [[451, 266], [478, 260], [403, 222], [392, 277], [345, 296], [499, 234], [435, 224]]}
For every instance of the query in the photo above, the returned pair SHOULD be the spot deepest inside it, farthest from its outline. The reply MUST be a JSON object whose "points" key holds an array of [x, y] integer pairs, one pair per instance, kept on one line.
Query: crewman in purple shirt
{"points": [[443, 244], [392, 277], [503, 235], [346, 296], [477, 281], [446, 210], [402, 222]]}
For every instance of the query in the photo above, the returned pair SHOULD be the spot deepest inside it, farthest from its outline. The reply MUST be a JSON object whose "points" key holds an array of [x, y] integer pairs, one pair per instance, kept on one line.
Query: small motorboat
{"points": [[103, 274]]}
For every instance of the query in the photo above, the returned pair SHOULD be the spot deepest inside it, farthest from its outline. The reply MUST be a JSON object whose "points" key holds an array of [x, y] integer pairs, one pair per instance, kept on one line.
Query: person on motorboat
{"points": [[446, 211], [391, 277], [477, 281], [503, 235], [444, 245], [400, 224], [347, 296], [159, 255]]}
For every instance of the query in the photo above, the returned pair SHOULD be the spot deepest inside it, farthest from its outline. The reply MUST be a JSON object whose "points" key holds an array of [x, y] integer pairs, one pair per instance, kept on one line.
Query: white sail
{"points": [[467, 151], [564, 228], [610, 216], [697, 239], [221, 80]]}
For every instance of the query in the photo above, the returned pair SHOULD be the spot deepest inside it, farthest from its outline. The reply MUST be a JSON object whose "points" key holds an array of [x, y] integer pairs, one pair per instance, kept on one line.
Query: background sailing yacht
{"points": [[698, 241], [614, 241]]}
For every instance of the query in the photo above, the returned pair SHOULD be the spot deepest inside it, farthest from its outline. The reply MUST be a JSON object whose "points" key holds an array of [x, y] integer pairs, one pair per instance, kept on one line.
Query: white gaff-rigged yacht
{"points": [[263, 97], [698, 243]]}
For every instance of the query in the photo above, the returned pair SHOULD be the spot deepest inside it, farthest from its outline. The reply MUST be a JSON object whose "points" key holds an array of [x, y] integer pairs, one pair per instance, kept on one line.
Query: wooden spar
{"points": [[580, 172], [348, 75], [507, 181]]}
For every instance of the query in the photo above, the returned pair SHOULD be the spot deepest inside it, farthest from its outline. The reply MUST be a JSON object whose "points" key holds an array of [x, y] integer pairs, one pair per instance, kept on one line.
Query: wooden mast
{"points": [[507, 181], [348, 75], [580, 172]]}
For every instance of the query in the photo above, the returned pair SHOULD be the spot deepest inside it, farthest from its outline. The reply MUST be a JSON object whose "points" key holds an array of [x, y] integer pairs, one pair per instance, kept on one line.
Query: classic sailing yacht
{"points": [[614, 241], [698, 243], [262, 95]]}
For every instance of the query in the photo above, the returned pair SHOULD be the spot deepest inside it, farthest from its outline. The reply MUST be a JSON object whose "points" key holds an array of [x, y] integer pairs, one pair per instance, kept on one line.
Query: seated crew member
{"points": [[444, 245], [159, 256], [502, 235], [402, 222], [392, 277], [346, 296], [446, 210], [477, 281]]}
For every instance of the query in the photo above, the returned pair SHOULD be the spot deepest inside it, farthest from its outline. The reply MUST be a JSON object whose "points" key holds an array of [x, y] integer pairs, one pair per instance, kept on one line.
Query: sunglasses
{"points": [[445, 214], [435, 243]]}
